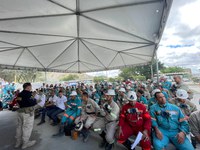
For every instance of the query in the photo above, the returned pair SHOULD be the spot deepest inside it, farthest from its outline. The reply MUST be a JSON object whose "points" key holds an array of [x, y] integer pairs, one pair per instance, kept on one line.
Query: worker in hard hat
{"points": [[73, 110], [183, 102], [153, 99], [106, 125], [122, 98], [134, 118], [89, 112], [141, 98], [169, 125], [165, 83]]}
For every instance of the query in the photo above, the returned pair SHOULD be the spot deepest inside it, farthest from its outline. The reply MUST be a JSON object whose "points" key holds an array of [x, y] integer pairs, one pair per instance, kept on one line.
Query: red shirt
{"points": [[141, 118]]}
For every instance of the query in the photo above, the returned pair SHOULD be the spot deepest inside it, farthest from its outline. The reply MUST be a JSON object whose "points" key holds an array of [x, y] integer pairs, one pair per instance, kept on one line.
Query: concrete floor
{"points": [[43, 135]]}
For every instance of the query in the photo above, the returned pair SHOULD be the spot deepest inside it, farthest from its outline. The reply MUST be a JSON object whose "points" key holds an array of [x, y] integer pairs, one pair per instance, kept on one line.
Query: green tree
{"points": [[99, 78], [172, 70], [19, 76], [69, 77], [145, 70]]}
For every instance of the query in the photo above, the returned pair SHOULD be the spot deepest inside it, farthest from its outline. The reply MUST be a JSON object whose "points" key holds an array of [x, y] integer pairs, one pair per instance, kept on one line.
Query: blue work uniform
{"points": [[143, 100], [170, 120], [166, 95], [167, 85], [73, 110], [151, 102]]}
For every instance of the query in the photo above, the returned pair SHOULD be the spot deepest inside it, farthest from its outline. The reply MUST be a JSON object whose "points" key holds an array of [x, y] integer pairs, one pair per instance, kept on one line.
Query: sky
{"points": [[180, 43]]}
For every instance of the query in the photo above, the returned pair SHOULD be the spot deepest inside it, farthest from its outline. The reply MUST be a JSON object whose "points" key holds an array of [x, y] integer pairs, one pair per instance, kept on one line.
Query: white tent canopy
{"points": [[80, 35]]}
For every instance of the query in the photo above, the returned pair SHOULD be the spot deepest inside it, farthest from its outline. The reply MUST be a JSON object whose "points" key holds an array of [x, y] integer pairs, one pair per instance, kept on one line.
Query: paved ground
{"points": [[43, 133]]}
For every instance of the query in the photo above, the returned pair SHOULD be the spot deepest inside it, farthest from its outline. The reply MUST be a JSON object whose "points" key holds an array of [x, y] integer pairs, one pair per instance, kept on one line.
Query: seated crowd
{"points": [[162, 112]]}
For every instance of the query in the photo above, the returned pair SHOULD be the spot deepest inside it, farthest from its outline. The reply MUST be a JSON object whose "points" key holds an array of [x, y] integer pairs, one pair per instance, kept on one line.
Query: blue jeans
{"points": [[53, 114], [46, 110]]}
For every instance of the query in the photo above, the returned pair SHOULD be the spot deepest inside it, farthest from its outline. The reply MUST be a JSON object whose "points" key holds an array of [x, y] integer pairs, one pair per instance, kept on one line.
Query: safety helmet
{"points": [[73, 93], [155, 91], [79, 126], [182, 94], [128, 87], [111, 92], [122, 90], [131, 96]]}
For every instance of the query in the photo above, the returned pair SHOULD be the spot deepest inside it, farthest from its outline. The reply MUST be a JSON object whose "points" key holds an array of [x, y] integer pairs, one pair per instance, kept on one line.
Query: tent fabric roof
{"points": [[80, 35]]}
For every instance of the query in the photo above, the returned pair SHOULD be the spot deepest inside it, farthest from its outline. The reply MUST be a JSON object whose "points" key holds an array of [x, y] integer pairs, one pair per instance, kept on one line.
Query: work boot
{"points": [[127, 144], [28, 144], [18, 144], [85, 133], [60, 132], [41, 122], [104, 142], [109, 146]]}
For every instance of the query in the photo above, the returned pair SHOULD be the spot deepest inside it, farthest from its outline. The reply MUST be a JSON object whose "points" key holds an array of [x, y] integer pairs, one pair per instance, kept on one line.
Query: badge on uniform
{"points": [[88, 106]]}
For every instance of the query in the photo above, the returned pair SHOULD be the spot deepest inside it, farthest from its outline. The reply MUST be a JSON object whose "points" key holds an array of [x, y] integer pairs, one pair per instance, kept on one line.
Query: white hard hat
{"points": [[132, 96], [73, 93], [155, 91], [117, 87], [79, 126], [128, 87], [182, 94], [110, 92], [122, 90], [109, 83]]}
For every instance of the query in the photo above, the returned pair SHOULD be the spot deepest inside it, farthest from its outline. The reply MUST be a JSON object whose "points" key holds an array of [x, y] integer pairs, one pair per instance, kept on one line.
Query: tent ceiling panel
{"points": [[128, 59], [22, 8], [133, 20], [31, 61], [80, 35], [104, 55], [49, 51], [27, 40], [70, 54], [101, 31], [145, 51], [69, 4], [96, 4], [10, 58], [113, 45], [87, 55], [62, 25]]}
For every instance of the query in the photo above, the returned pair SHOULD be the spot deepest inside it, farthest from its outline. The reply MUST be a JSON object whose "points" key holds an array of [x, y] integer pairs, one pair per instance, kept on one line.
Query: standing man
{"points": [[106, 125], [134, 118], [181, 85], [25, 117], [169, 125]]}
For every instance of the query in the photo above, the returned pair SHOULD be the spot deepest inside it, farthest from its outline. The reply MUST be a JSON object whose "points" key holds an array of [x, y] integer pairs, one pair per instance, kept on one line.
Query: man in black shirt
{"points": [[25, 117]]}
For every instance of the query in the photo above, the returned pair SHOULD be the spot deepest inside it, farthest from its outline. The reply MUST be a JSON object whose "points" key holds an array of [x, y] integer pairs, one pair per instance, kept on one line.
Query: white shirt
{"points": [[60, 102], [53, 99], [43, 99]]}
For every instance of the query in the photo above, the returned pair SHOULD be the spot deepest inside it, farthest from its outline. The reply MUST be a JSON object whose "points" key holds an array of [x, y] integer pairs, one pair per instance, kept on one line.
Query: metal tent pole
{"points": [[45, 75], [151, 71], [157, 69]]}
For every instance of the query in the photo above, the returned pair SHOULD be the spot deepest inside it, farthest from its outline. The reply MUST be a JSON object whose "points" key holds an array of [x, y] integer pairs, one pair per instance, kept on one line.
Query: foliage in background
{"points": [[145, 71], [69, 77], [99, 78], [20, 76], [172, 70]]}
